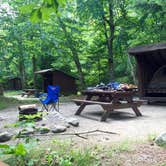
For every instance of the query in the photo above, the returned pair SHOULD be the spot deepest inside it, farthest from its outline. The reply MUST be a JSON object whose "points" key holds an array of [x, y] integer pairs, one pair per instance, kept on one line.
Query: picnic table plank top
{"points": [[30, 89], [100, 91]]}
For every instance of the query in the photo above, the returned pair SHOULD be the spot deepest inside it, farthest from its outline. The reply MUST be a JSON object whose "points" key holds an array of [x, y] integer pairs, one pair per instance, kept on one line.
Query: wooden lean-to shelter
{"points": [[151, 70], [66, 82], [14, 83]]}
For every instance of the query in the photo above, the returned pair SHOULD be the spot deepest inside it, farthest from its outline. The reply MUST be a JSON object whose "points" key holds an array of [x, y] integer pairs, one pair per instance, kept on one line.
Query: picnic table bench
{"points": [[109, 100], [30, 92]]}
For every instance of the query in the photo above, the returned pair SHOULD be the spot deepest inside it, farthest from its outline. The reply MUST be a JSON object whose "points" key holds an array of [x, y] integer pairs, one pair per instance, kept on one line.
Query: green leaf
{"points": [[4, 146], [35, 16], [20, 150], [61, 2], [55, 5], [48, 1], [46, 12], [27, 8]]}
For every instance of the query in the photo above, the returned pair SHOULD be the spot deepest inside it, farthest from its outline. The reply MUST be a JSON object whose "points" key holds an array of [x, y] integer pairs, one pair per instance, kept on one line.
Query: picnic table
{"points": [[30, 92], [109, 100]]}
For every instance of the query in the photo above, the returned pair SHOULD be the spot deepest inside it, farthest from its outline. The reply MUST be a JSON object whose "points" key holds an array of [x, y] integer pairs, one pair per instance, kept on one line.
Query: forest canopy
{"points": [[88, 39]]}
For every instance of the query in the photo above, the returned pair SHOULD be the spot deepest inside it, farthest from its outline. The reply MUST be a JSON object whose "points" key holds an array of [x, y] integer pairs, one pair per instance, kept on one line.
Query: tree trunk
{"points": [[132, 69], [124, 15], [74, 54], [110, 41], [109, 35], [22, 75], [99, 68], [34, 69], [1, 90], [21, 65], [78, 65]]}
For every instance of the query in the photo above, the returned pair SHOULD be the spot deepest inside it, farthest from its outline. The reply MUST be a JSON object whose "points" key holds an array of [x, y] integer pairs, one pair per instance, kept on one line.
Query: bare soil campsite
{"points": [[123, 139]]}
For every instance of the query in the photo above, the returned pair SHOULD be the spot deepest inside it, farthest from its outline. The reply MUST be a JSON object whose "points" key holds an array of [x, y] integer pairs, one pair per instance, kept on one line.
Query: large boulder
{"points": [[161, 140], [5, 136]]}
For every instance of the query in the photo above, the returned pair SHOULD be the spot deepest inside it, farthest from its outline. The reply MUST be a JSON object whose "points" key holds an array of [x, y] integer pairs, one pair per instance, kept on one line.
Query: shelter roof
{"points": [[44, 71], [147, 48], [52, 70]]}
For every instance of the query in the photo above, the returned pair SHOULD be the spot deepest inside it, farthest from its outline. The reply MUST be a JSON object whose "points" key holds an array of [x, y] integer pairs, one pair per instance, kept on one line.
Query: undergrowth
{"points": [[59, 153], [9, 101], [6, 102]]}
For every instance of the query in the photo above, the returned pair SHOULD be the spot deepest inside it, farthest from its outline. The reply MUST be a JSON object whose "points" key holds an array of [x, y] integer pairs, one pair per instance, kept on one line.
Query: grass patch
{"points": [[62, 99], [152, 136], [117, 148], [59, 153], [10, 93], [15, 94], [10, 101], [6, 102], [69, 98], [67, 153], [163, 164]]}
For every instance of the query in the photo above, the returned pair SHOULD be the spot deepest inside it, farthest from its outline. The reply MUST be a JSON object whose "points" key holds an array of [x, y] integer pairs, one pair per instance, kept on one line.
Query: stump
{"points": [[30, 110]]}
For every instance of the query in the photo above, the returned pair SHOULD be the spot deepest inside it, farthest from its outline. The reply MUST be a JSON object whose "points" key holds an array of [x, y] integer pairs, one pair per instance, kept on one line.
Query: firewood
{"points": [[29, 106]]}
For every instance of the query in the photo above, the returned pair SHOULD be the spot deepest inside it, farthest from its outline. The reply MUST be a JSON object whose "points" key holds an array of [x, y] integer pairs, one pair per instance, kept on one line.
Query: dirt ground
{"points": [[122, 122], [140, 155]]}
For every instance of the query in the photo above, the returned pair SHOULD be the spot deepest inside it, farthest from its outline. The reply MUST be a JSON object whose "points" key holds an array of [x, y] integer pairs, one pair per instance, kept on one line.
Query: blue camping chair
{"points": [[50, 101]]}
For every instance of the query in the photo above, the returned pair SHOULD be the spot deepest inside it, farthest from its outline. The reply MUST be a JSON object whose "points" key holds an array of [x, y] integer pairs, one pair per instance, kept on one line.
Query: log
{"points": [[29, 106], [30, 109]]}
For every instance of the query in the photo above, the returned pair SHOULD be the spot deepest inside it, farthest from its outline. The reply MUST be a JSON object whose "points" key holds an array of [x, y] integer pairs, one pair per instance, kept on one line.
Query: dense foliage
{"points": [[88, 39]]}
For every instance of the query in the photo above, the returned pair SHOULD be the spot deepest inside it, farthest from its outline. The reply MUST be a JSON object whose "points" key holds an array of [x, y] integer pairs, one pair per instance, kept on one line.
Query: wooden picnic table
{"points": [[109, 100], [29, 92]]}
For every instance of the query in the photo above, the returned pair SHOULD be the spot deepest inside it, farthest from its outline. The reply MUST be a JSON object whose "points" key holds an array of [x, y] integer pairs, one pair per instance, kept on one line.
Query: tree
{"points": [[88, 39]]}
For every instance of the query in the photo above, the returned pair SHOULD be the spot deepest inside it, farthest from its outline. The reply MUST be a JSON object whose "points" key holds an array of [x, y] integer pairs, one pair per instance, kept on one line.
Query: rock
{"points": [[161, 140], [5, 136], [27, 131], [67, 125], [44, 130], [106, 138], [56, 115], [73, 122], [1, 118], [58, 129]]}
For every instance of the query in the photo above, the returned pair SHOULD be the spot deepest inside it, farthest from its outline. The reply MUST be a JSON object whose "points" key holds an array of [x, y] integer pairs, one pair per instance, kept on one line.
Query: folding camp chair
{"points": [[50, 101]]}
